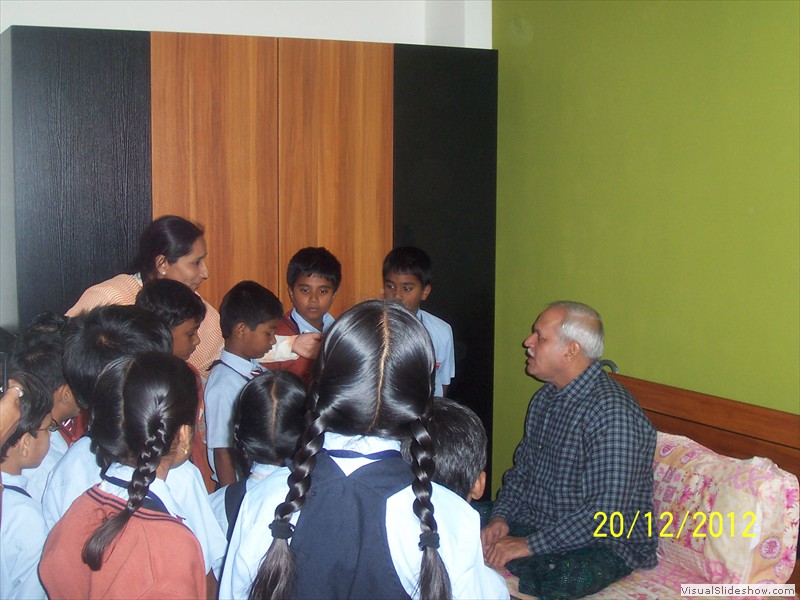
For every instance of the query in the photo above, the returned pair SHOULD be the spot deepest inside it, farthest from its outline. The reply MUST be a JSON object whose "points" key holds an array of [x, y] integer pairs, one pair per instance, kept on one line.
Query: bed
{"points": [[726, 427]]}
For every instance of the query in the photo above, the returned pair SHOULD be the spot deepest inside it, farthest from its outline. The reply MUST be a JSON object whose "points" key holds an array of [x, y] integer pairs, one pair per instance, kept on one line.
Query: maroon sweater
{"points": [[155, 556]]}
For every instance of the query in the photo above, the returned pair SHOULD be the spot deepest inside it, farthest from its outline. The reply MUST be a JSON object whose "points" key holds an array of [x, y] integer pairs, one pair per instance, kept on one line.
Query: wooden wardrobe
{"points": [[272, 144]]}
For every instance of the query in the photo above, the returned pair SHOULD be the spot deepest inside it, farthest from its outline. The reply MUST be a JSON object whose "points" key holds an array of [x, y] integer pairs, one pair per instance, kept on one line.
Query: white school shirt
{"points": [[306, 327], [77, 471], [442, 337], [258, 472], [22, 537], [37, 477], [158, 487], [225, 382], [458, 526]]}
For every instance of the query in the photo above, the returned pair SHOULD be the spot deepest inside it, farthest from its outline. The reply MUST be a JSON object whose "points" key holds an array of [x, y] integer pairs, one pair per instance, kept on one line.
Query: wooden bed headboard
{"points": [[725, 426]]}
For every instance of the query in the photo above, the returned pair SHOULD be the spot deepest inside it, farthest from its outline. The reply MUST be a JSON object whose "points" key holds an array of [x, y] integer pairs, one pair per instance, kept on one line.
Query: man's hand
{"points": [[9, 410], [496, 528], [307, 345], [505, 549]]}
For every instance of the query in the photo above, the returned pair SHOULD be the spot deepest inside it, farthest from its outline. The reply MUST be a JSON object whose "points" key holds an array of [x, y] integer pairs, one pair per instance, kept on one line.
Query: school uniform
{"points": [[77, 471], [392, 558], [227, 379], [154, 556], [217, 500], [442, 337], [292, 324], [37, 477], [22, 536]]}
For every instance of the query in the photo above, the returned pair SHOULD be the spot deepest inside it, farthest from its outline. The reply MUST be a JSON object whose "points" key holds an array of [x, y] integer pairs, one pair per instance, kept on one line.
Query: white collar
{"points": [[158, 488]]}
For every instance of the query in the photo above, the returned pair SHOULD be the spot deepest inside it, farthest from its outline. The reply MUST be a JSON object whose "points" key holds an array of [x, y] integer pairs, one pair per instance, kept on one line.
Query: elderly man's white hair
{"points": [[582, 324]]}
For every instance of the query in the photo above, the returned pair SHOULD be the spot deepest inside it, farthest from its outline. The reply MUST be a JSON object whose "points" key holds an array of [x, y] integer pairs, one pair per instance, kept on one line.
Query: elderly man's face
{"points": [[544, 349]]}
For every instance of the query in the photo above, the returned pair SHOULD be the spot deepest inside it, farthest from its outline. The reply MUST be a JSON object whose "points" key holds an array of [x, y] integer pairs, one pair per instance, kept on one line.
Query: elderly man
{"points": [[587, 452]]}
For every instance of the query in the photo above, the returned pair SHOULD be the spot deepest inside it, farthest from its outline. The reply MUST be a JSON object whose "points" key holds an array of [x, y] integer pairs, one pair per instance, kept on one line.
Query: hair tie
{"points": [[281, 530], [429, 539]]}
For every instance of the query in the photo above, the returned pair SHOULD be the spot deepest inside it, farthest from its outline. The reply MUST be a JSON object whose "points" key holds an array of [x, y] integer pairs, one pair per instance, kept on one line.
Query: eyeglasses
{"points": [[54, 426]]}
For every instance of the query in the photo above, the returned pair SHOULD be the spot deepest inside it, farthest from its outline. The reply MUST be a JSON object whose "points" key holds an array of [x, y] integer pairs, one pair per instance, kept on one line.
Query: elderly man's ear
{"points": [[572, 352]]}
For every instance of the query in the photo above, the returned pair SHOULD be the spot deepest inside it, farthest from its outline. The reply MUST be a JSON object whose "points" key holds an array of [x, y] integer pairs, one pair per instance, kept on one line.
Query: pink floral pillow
{"points": [[725, 519]]}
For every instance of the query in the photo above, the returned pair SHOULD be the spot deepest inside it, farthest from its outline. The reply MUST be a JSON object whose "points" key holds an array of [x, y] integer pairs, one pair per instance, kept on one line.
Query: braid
{"points": [[143, 476], [434, 581], [277, 571], [155, 448]]}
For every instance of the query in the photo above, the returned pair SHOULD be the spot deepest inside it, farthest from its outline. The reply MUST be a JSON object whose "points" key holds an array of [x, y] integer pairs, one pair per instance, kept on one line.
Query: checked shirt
{"points": [[587, 448]]}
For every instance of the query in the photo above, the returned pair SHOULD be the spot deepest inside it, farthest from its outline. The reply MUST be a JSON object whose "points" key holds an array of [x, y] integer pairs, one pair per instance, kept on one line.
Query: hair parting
{"points": [[276, 573], [374, 377]]}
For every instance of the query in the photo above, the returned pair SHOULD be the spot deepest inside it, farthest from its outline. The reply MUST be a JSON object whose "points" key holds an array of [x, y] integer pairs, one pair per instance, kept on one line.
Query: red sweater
{"points": [[302, 367], [155, 556]]}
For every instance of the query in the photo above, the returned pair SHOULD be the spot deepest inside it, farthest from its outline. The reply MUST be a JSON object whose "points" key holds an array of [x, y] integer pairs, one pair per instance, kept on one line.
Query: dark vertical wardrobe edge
{"points": [[445, 174], [81, 143]]}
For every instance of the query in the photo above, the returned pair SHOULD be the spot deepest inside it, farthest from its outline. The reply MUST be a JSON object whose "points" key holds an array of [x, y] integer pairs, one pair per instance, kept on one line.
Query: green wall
{"points": [[649, 165]]}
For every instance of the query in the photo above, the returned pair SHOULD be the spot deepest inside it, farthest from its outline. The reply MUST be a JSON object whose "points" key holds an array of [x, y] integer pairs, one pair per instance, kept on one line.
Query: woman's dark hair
{"points": [[375, 377], [269, 418], [36, 402], [156, 394], [168, 235]]}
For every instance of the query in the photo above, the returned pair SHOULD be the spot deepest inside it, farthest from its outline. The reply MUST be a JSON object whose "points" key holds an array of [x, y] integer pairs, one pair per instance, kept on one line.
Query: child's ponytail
{"points": [[155, 394], [434, 581], [143, 476], [277, 571]]}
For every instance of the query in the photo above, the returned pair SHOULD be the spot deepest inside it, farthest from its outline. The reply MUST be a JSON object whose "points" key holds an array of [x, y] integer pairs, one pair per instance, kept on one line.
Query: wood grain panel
{"points": [[726, 426], [214, 123], [81, 158], [335, 119]]}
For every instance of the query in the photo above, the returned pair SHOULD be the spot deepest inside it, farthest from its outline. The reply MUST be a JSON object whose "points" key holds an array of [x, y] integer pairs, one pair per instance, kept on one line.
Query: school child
{"points": [[249, 315], [182, 311], [22, 530], [124, 535], [313, 277], [459, 441], [359, 521], [41, 353], [268, 421], [93, 340], [407, 279]]}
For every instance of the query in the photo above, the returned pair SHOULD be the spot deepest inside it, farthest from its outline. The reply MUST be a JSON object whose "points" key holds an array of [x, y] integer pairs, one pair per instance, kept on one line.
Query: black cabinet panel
{"points": [[81, 143], [445, 174]]}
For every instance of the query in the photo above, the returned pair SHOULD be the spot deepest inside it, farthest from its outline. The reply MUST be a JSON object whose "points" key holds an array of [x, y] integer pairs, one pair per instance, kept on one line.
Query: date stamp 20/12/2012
{"points": [[668, 525]]}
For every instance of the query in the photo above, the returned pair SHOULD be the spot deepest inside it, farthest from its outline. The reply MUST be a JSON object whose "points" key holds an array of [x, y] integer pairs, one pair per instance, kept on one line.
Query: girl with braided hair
{"points": [[123, 536], [357, 520], [268, 422]]}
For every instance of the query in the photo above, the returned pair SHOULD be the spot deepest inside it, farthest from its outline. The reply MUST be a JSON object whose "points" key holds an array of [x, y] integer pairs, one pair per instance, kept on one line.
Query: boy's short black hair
{"points": [[46, 322], [250, 303], [172, 301], [95, 338], [409, 260], [459, 441], [34, 405], [314, 261], [41, 354]]}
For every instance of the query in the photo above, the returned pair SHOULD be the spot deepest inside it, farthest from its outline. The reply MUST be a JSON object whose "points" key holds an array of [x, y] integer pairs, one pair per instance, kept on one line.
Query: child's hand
{"points": [[307, 345]]}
